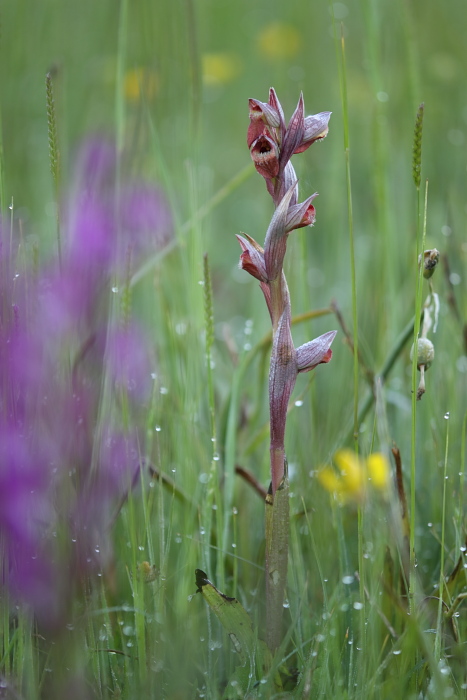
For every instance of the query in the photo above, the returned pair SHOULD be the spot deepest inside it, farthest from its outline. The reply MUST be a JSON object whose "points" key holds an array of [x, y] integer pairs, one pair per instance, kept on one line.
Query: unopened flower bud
{"points": [[430, 261], [425, 353]]}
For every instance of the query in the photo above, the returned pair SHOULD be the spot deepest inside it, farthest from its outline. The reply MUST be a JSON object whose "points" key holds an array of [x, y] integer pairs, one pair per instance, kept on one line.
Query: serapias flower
{"points": [[272, 143], [352, 475]]}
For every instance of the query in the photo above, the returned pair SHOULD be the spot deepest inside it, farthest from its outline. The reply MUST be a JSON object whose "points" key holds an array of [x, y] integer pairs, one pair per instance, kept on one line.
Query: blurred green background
{"points": [[171, 80]]}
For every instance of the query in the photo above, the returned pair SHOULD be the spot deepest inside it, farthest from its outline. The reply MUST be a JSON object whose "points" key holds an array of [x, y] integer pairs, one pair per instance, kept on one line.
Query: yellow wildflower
{"points": [[279, 40], [349, 481], [220, 68]]}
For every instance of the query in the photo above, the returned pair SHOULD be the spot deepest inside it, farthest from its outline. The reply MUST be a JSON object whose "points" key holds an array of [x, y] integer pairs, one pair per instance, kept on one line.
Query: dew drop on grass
{"points": [[358, 606], [163, 390], [216, 457], [286, 604], [446, 415], [347, 580], [178, 538], [234, 546], [203, 478], [320, 637], [115, 290], [396, 652], [157, 428], [141, 548]]}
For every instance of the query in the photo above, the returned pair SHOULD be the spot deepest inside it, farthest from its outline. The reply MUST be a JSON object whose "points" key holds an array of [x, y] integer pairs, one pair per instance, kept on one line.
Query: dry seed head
{"points": [[430, 261]]}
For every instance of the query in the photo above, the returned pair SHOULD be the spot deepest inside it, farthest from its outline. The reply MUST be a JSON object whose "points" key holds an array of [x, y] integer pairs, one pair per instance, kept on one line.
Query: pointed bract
{"points": [[282, 377], [316, 128], [276, 237], [315, 352], [252, 258], [294, 134], [300, 215]]}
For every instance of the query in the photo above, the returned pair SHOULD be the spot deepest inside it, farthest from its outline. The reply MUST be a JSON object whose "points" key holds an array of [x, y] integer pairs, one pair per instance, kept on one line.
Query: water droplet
{"points": [[233, 545], [347, 580], [153, 375], [298, 403], [141, 548], [286, 604], [216, 457], [247, 346], [396, 652], [320, 637], [202, 531], [178, 538], [203, 478], [201, 283], [234, 511], [163, 390], [358, 606], [174, 471], [158, 428], [446, 415], [128, 631], [115, 290], [214, 506]]}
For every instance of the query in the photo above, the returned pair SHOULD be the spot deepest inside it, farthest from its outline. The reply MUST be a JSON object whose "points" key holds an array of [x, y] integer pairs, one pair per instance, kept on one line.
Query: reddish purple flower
{"points": [[271, 145]]}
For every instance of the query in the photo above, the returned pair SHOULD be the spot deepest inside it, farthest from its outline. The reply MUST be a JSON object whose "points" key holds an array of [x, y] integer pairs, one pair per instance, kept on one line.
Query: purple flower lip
{"points": [[265, 156]]}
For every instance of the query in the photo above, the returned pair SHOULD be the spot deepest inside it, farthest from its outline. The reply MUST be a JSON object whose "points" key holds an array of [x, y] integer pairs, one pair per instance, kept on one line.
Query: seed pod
{"points": [[430, 261], [425, 353]]}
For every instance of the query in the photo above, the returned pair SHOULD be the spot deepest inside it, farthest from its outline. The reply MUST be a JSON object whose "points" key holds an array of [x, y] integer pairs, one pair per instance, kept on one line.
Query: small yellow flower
{"points": [[220, 68], [279, 41], [349, 481]]}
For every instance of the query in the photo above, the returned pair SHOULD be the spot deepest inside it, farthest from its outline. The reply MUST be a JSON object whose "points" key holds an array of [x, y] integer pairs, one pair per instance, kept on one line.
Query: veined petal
{"points": [[316, 128], [275, 104], [282, 377], [264, 111], [294, 134], [265, 155], [252, 258], [315, 352], [300, 215], [276, 237]]}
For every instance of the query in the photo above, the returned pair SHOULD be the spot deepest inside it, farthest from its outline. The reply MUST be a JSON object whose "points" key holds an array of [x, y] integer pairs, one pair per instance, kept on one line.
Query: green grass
{"points": [[137, 635]]}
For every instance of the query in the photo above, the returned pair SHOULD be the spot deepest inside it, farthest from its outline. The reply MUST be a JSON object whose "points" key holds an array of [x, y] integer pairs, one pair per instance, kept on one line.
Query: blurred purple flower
{"points": [[64, 468]]}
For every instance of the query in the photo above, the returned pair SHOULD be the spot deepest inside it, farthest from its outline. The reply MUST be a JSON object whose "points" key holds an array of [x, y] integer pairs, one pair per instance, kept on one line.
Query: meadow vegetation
{"points": [[135, 353]]}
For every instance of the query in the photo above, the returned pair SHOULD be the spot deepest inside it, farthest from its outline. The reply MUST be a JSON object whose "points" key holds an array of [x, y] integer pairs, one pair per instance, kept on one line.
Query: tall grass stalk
{"points": [[420, 246]]}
